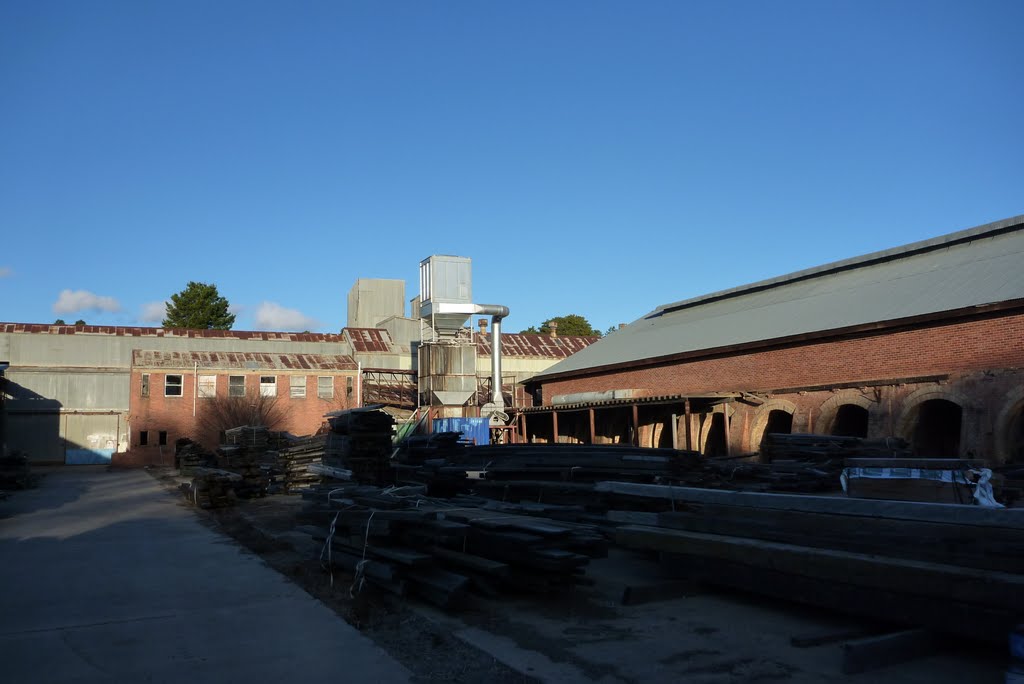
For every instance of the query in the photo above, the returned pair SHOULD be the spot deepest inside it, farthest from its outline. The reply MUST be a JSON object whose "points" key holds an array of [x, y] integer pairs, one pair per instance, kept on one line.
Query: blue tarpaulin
{"points": [[476, 430]]}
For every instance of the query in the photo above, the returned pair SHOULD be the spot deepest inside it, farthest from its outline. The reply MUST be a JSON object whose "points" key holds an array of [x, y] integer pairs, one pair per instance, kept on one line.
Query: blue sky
{"points": [[597, 158]]}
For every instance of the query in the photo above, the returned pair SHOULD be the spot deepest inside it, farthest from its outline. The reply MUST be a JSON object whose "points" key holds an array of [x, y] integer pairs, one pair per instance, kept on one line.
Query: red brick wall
{"points": [[958, 348], [174, 414]]}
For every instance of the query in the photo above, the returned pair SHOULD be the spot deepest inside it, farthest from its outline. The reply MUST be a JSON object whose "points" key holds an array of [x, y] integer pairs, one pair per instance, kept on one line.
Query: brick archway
{"points": [[907, 423], [705, 428], [1006, 422], [830, 407], [752, 440]]}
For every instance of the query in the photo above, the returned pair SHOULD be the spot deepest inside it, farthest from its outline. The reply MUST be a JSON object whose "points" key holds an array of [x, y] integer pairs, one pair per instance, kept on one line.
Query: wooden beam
{"points": [[872, 653], [674, 422], [689, 422], [725, 421], [554, 427], [593, 430], [636, 425]]}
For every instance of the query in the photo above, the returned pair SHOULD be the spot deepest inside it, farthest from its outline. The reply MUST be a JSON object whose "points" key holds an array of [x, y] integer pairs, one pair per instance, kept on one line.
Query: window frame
{"points": [[268, 385], [144, 386], [319, 391], [297, 387], [233, 386], [206, 383], [168, 385]]}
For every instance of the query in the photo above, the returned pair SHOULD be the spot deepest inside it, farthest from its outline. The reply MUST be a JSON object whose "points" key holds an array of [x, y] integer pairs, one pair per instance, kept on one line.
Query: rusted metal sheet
{"points": [[120, 331], [369, 339], [241, 360], [525, 345]]}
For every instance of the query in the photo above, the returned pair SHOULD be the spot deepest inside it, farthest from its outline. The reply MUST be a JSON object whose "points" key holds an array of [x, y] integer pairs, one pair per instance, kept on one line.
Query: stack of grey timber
{"points": [[253, 436], [212, 488], [245, 461], [15, 472], [403, 542], [190, 456], [295, 459], [951, 568], [822, 447], [360, 440]]}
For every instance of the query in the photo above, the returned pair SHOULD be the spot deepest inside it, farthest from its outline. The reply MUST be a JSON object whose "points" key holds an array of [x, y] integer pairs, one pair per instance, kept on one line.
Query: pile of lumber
{"points": [[449, 466], [188, 456], [950, 568], [15, 472], [295, 460], [777, 446], [212, 488], [251, 436], [406, 543], [247, 463], [360, 440]]}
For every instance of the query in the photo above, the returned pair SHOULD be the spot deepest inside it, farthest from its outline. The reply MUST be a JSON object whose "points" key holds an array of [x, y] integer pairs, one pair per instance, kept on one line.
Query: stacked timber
{"points": [[360, 440], [824, 447], [212, 488], [406, 543], [15, 472], [294, 462], [188, 456], [950, 568], [250, 436], [253, 479]]}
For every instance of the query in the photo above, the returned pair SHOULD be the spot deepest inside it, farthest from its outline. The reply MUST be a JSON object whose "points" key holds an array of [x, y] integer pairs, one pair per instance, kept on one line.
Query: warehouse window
{"points": [[172, 385], [268, 386], [348, 386], [325, 387], [298, 387], [207, 386], [236, 385], [145, 384], [163, 437], [143, 437]]}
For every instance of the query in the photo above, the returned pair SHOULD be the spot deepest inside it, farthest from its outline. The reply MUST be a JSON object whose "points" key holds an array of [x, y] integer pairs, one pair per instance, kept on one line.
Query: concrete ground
{"points": [[104, 577]]}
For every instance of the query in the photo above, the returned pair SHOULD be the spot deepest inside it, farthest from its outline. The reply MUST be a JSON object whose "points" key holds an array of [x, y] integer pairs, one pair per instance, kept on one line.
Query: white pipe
{"points": [[497, 313], [195, 387]]}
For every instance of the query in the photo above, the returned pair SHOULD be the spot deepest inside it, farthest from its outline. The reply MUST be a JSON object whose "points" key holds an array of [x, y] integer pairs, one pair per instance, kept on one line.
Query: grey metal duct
{"points": [[496, 312]]}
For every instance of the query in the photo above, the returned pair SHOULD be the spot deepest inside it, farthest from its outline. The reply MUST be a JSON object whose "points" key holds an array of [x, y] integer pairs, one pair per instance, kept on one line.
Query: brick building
{"points": [[178, 394], [924, 342], [74, 394]]}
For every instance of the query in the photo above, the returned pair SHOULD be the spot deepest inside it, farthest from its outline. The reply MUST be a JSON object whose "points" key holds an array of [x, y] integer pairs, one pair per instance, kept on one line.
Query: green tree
{"points": [[59, 321], [571, 324], [198, 307], [81, 322]]}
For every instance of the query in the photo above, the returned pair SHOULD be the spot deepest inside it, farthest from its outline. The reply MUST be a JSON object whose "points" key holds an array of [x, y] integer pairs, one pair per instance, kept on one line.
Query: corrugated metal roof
{"points": [[251, 361], [369, 339], [980, 266], [527, 345], [120, 331]]}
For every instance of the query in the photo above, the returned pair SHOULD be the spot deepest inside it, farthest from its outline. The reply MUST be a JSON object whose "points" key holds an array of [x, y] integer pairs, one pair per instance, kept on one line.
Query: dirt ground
{"points": [[690, 633]]}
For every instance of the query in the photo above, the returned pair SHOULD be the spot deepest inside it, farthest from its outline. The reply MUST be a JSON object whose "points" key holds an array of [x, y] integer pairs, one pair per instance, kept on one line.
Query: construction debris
{"points": [[15, 472], [407, 543], [955, 569], [212, 488]]}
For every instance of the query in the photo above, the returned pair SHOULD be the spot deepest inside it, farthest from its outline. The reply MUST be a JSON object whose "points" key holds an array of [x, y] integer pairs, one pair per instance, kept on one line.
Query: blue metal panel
{"points": [[88, 456], [476, 430]]}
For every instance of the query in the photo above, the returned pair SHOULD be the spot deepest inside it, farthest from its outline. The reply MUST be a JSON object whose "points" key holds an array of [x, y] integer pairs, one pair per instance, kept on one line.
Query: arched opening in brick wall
{"points": [[936, 429], [714, 442], [851, 420], [1014, 441], [779, 422]]}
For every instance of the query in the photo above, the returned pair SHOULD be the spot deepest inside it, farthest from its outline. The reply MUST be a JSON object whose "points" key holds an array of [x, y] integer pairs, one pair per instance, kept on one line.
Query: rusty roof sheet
{"points": [[369, 339], [218, 360], [121, 331], [524, 345]]}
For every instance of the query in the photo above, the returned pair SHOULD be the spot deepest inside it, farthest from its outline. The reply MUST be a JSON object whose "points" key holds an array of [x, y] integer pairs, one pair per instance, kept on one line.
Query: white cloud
{"points": [[153, 312], [81, 300], [271, 316], [6, 272]]}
